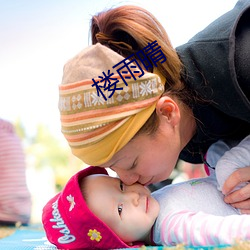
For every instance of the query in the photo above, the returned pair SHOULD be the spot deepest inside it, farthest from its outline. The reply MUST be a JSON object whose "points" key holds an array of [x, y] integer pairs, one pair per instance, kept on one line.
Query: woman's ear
{"points": [[168, 110]]}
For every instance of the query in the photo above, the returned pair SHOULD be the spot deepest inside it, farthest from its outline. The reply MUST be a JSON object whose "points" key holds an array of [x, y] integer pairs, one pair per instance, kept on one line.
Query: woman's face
{"points": [[147, 159]]}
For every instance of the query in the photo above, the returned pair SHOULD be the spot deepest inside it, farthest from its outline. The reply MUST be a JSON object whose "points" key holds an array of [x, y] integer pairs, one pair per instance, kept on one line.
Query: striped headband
{"points": [[97, 125]]}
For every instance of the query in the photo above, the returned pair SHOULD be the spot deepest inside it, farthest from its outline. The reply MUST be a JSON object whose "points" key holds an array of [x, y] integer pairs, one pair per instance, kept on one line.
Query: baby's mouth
{"points": [[147, 203]]}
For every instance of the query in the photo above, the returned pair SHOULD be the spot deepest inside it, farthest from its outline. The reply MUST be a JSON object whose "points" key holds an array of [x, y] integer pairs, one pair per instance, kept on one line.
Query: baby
{"points": [[96, 211]]}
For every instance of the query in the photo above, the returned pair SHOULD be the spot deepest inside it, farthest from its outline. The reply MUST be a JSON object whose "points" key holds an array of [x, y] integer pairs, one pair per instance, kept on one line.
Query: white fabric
{"points": [[194, 212]]}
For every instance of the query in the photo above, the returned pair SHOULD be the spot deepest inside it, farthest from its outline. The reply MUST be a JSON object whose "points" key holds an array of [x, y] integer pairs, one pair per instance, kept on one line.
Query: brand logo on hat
{"points": [[67, 237]]}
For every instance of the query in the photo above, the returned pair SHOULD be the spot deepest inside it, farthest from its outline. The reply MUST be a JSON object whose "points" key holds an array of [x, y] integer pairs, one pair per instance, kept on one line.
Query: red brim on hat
{"points": [[69, 223]]}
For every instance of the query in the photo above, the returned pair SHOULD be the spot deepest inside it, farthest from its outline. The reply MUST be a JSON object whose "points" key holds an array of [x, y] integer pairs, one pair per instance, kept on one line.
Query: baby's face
{"points": [[130, 211]]}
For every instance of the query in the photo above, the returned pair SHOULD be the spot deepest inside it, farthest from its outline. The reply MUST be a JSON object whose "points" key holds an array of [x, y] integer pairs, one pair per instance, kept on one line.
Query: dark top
{"points": [[217, 67]]}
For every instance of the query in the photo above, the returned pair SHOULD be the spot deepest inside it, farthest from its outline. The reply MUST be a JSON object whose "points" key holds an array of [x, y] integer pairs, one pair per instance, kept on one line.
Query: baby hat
{"points": [[104, 100], [69, 223]]}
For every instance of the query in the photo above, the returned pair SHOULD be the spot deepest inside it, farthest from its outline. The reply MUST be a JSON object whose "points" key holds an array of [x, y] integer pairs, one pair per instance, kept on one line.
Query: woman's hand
{"points": [[241, 197]]}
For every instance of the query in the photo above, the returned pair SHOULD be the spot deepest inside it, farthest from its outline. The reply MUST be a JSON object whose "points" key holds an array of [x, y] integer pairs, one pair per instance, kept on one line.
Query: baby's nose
{"points": [[133, 197]]}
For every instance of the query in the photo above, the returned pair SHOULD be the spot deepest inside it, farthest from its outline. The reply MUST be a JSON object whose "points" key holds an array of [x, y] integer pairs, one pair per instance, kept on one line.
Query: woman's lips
{"points": [[148, 183]]}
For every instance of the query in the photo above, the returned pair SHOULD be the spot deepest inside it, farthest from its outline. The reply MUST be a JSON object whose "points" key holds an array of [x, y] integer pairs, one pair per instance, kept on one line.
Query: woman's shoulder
{"points": [[209, 65]]}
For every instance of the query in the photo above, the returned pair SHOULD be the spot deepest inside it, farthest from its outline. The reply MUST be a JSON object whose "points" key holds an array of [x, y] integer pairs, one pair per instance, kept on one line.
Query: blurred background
{"points": [[36, 40]]}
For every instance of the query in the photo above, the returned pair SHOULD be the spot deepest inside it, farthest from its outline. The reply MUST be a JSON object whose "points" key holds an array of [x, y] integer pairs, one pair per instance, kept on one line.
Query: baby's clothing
{"points": [[194, 212]]}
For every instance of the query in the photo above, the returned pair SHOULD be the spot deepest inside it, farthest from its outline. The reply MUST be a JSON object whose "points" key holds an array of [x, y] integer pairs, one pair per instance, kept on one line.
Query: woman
{"points": [[205, 98]]}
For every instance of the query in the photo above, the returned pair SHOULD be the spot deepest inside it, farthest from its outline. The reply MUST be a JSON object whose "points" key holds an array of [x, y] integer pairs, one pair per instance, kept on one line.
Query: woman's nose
{"points": [[126, 177]]}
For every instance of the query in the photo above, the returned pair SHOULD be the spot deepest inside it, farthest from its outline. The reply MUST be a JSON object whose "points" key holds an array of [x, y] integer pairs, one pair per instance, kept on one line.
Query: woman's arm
{"points": [[233, 175], [237, 157]]}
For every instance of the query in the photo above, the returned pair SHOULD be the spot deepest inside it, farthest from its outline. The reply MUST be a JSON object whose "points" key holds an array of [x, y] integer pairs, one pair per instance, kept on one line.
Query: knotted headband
{"points": [[96, 128]]}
